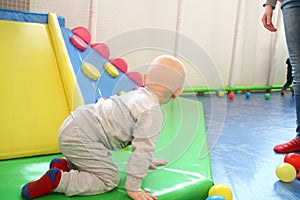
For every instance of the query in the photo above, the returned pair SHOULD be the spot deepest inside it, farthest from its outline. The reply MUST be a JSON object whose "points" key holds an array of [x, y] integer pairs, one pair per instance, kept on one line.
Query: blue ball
{"points": [[248, 94], [215, 197]]}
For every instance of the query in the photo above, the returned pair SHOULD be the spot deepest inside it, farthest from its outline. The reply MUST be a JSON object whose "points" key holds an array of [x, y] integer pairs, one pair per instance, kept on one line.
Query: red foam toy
{"points": [[136, 77], [102, 49], [78, 42], [120, 63], [83, 33]]}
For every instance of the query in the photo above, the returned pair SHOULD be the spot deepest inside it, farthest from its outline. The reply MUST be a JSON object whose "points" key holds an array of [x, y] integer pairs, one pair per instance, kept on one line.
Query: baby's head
{"points": [[165, 77]]}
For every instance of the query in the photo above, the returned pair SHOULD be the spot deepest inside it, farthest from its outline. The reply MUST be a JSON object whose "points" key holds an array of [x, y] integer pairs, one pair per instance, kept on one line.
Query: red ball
{"points": [[231, 95], [293, 159]]}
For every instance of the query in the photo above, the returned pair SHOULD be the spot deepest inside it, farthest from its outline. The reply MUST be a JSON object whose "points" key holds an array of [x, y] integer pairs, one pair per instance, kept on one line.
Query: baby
{"points": [[91, 132]]}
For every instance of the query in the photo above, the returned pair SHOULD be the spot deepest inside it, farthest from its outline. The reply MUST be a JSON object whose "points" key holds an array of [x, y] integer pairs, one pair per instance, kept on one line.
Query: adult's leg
{"points": [[291, 16], [289, 77]]}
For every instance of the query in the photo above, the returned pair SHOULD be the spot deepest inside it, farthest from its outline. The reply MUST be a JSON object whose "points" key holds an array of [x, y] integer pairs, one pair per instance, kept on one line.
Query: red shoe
{"points": [[289, 147], [292, 90], [282, 91]]}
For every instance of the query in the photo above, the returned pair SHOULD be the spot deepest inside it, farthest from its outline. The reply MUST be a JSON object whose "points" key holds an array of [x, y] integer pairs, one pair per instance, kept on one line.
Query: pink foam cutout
{"points": [[120, 63], [83, 33], [136, 77], [102, 49], [78, 42]]}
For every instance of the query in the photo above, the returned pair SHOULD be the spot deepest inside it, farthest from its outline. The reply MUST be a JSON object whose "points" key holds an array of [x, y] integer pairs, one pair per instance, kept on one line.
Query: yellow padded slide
{"points": [[33, 101], [71, 88]]}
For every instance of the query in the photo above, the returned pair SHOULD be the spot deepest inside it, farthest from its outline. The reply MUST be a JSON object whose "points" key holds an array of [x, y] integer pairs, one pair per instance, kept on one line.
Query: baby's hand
{"points": [[157, 162], [141, 195]]}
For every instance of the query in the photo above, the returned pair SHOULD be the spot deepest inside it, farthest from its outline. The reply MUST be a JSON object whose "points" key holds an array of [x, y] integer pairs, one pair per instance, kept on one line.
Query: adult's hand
{"points": [[267, 18]]}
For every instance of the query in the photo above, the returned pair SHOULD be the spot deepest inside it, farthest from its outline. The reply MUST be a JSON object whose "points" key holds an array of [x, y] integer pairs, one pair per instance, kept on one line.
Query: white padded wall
{"points": [[122, 24], [76, 12], [226, 37], [280, 58], [211, 25], [232, 34]]}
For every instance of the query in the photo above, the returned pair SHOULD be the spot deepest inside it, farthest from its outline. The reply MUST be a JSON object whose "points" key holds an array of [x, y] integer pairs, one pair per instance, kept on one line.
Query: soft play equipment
{"points": [[37, 84], [97, 76], [45, 76]]}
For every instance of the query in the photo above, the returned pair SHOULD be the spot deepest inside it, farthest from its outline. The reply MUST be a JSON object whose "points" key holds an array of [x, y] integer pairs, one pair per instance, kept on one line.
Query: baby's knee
{"points": [[110, 180], [111, 184]]}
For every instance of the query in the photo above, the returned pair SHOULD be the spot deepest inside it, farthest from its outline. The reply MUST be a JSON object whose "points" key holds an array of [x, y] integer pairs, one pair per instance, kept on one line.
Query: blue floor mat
{"points": [[241, 136]]}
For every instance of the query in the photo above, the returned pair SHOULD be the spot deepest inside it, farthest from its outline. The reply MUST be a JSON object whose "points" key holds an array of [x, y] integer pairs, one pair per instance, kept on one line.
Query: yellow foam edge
{"points": [[71, 88]]}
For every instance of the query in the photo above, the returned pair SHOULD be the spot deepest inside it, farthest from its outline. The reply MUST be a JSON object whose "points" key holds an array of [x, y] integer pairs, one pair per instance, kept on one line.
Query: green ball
{"points": [[267, 96]]}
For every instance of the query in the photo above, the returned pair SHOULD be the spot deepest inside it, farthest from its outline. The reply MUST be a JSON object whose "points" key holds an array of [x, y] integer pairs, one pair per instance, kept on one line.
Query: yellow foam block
{"points": [[90, 71], [111, 70]]}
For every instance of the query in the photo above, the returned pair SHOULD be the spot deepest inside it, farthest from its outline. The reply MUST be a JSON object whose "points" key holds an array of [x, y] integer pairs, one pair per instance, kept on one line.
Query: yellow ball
{"points": [[286, 172], [222, 190], [221, 94]]}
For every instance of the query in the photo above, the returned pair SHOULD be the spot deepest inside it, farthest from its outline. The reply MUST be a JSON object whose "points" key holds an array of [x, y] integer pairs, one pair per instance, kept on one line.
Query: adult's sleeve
{"points": [[271, 2]]}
